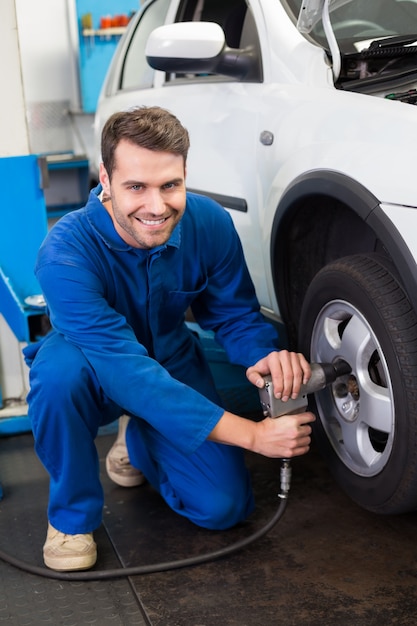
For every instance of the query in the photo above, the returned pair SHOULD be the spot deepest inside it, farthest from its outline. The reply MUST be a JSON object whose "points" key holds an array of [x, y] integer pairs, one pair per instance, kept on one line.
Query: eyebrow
{"points": [[128, 183]]}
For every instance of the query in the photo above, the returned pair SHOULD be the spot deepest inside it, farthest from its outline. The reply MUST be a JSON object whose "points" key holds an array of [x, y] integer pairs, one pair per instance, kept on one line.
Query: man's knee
{"points": [[220, 509], [60, 373], [60, 364], [225, 513]]}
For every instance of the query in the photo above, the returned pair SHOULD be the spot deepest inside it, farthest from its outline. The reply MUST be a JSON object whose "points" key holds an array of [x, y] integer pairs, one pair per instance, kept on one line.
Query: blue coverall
{"points": [[119, 344]]}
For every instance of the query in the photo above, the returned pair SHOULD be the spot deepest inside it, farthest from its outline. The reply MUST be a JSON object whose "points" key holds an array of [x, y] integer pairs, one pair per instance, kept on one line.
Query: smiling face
{"points": [[147, 194]]}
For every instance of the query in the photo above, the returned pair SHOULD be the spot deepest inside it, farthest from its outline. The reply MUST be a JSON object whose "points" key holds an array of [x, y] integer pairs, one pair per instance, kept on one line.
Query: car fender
{"points": [[392, 225]]}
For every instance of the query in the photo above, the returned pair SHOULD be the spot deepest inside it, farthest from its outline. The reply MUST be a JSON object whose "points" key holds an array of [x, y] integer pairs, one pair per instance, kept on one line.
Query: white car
{"points": [[303, 125]]}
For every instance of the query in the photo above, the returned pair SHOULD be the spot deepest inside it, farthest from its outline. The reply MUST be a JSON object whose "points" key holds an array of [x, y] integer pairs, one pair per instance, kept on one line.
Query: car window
{"points": [[136, 73], [229, 14], [236, 19]]}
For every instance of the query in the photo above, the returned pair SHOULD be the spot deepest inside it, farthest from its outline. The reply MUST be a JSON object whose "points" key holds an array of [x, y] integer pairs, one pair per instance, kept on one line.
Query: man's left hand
{"points": [[288, 371]]}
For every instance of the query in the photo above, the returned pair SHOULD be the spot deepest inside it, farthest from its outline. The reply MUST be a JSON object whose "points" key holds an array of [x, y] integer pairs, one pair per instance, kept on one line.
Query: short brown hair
{"points": [[153, 128]]}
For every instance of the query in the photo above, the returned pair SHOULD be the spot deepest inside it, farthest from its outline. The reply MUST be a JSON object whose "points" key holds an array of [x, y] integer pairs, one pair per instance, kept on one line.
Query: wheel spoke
{"points": [[328, 342], [376, 408], [357, 344], [357, 444]]}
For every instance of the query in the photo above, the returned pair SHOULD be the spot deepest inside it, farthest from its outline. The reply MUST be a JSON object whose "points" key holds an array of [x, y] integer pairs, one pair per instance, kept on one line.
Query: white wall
{"points": [[48, 39], [13, 130], [49, 60]]}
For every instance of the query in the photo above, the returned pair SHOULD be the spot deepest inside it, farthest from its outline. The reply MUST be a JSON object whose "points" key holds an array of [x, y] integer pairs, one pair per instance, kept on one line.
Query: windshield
{"points": [[358, 21]]}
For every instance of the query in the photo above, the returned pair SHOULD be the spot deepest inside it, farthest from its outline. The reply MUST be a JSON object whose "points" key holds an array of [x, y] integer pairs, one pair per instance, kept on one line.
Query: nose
{"points": [[154, 202]]}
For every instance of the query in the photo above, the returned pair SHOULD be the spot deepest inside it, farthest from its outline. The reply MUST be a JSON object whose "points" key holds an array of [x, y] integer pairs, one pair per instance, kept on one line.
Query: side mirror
{"points": [[197, 48]]}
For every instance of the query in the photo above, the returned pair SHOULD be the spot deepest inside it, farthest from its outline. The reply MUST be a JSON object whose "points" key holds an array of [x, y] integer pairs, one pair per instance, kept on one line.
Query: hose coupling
{"points": [[285, 478]]}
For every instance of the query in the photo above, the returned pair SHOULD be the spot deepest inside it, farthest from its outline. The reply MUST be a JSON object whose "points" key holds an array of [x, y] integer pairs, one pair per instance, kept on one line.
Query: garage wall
{"points": [[49, 60], [13, 135], [50, 74], [54, 57], [97, 46]]}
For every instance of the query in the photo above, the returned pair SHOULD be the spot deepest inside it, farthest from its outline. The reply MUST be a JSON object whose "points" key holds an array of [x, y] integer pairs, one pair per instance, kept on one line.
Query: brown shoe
{"points": [[118, 465], [63, 552]]}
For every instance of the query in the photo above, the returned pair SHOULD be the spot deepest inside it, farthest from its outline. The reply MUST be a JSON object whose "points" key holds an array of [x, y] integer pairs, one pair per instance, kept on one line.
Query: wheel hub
{"points": [[346, 397]]}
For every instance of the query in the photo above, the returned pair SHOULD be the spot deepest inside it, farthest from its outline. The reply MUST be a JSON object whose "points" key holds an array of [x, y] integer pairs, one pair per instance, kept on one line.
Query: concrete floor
{"points": [[326, 563]]}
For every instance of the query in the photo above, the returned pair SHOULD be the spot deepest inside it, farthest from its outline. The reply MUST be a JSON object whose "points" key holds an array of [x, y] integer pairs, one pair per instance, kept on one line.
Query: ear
{"points": [[104, 179]]}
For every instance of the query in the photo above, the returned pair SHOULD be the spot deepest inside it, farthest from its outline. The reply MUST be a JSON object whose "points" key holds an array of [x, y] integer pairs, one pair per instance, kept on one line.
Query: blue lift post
{"points": [[24, 226]]}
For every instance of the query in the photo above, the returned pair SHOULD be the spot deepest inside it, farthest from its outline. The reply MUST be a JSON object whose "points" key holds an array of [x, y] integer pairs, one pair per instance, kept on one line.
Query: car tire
{"points": [[366, 428]]}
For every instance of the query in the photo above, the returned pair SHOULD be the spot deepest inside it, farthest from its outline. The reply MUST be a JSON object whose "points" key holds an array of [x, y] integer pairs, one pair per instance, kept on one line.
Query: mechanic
{"points": [[118, 277]]}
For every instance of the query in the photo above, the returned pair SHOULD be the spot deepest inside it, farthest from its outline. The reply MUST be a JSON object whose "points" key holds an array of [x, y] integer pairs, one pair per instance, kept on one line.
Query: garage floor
{"points": [[327, 562]]}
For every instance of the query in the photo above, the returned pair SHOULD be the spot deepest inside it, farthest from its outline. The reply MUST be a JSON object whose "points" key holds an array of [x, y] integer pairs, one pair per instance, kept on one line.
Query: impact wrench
{"points": [[321, 375]]}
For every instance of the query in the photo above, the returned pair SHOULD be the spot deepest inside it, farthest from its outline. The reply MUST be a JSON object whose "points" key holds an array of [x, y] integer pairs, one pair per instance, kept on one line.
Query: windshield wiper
{"points": [[399, 45], [396, 40]]}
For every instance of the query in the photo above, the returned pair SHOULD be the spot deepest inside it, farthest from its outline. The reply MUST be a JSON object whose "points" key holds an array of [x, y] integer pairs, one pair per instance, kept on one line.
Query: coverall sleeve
{"points": [[127, 374], [229, 305]]}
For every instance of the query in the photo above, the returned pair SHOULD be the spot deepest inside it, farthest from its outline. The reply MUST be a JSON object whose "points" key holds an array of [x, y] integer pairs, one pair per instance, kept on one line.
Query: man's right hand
{"points": [[283, 437]]}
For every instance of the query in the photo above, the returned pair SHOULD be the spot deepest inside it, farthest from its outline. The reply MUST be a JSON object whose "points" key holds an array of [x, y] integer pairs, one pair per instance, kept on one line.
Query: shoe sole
{"points": [[62, 564]]}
